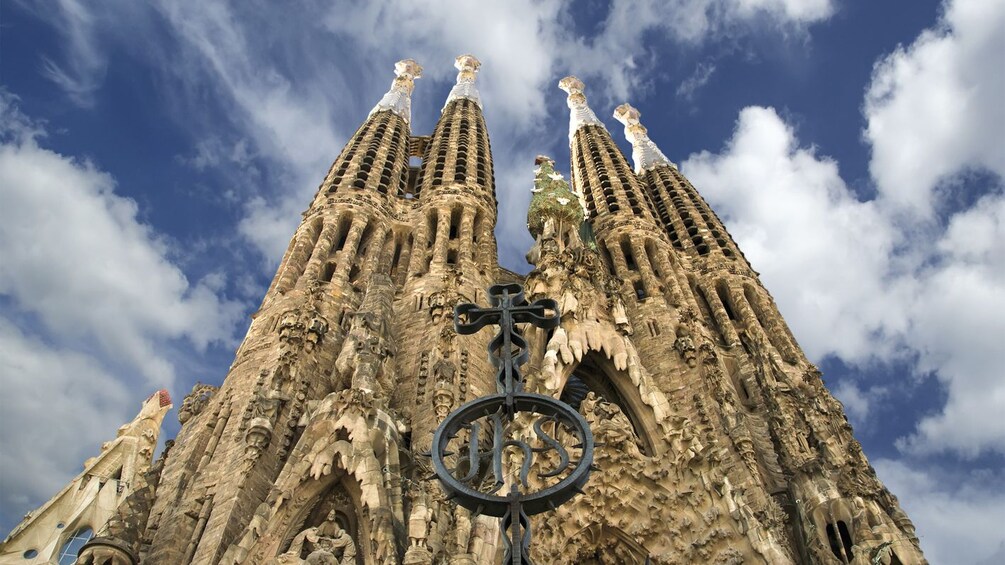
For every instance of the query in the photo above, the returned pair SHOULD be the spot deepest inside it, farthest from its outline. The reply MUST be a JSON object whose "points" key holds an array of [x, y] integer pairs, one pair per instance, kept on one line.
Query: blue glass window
{"points": [[70, 549]]}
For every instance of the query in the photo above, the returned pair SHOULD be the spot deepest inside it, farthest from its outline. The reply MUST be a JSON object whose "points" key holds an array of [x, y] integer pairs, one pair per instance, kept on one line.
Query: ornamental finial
{"points": [[644, 152], [399, 98], [580, 113], [468, 66], [552, 199]]}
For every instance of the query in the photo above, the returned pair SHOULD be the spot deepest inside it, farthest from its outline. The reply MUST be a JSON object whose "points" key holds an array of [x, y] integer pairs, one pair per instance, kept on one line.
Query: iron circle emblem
{"points": [[476, 468]]}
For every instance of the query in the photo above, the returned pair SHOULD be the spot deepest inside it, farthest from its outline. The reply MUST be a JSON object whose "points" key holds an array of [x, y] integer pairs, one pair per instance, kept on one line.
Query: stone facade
{"points": [[718, 441], [107, 483]]}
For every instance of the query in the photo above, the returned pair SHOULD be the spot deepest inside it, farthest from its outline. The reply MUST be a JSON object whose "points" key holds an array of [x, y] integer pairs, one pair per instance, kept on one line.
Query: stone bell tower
{"points": [[716, 439]]}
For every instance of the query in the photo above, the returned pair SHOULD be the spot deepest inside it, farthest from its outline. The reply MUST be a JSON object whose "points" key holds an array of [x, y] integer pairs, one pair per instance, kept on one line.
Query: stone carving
{"points": [[327, 544], [443, 393], [610, 425], [685, 346], [709, 454], [195, 402]]}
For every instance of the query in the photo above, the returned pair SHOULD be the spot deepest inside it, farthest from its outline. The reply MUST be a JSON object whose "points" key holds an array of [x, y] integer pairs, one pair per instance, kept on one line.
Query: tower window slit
{"points": [[833, 541], [395, 257], [608, 260], [846, 540], [640, 290], [723, 293], [626, 250], [343, 233], [455, 223], [328, 272]]}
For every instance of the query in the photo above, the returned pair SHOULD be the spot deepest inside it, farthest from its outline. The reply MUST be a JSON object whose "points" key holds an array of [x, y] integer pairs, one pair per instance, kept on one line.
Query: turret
{"points": [[456, 187], [372, 167], [619, 210], [689, 222], [57, 531], [600, 171]]}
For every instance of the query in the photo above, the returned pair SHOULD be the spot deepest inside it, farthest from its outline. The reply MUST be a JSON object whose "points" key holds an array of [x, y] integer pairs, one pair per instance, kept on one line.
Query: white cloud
{"points": [[858, 402], [698, 79], [934, 108], [76, 256], [958, 516], [620, 54], [821, 252], [107, 312], [57, 407], [855, 283], [958, 328]]}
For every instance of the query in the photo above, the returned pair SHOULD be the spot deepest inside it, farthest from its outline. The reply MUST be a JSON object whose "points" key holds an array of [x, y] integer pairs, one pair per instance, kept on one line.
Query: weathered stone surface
{"points": [[718, 441]]}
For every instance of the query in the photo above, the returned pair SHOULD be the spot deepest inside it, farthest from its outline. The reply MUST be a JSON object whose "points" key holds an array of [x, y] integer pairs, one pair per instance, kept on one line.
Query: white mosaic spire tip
{"points": [[467, 67], [580, 113], [645, 153], [399, 98]]}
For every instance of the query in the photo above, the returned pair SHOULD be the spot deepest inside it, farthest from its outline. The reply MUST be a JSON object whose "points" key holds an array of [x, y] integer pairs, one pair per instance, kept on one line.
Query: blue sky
{"points": [[156, 156]]}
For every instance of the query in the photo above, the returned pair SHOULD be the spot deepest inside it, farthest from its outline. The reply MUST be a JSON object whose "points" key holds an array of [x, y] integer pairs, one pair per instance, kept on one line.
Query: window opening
{"points": [[455, 222], [720, 289], [640, 290], [626, 250], [845, 539], [328, 272], [589, 377], [68, 553]]}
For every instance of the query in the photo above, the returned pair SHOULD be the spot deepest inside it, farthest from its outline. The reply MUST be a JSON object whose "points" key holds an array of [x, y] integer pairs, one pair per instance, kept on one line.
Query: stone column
{"points": [[345, 257], [371, 259], [719, 313], [442, 236], [417, 256], [670, 277], [297, 260], [321, 250], [465, 254], [645, 268]]}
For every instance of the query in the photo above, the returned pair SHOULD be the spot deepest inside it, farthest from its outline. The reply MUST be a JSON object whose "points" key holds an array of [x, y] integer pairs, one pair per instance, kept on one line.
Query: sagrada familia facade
{"points": [[717, 441]]}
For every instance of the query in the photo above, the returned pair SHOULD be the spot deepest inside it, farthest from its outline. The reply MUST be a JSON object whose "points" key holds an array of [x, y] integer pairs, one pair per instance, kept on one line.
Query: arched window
{"points": [[68, 553]]}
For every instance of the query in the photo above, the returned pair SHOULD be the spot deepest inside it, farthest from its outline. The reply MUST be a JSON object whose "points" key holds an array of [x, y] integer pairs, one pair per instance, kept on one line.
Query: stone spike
{"points": [[645, 153], [580, 114], [467, 66], [399, 98]]}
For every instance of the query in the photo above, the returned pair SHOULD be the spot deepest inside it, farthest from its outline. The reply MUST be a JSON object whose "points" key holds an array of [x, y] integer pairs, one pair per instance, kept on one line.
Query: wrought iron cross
{"points": [[497, 416]]}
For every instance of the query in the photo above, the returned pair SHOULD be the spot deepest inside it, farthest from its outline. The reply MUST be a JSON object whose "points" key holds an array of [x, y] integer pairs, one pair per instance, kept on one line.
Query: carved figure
{"points": [[327, 544], [685, 346]]}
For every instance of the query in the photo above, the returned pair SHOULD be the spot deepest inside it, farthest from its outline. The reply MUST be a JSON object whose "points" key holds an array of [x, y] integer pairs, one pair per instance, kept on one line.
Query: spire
{"points": [[644, 152], [465, 88], [580, 114], [399, 98]]}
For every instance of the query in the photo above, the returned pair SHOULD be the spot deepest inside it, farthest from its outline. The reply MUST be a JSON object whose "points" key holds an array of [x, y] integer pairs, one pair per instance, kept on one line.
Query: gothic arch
{"points": [[600, 376], [294, 514]]}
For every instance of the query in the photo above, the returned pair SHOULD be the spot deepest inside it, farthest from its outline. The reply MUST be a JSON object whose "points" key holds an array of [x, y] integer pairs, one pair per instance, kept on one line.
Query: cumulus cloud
{"points": [[853, 282], [92, 314], [58, 406], [959, 521], [821, 252], [934, 108], [858, 402], [76, 256]]}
